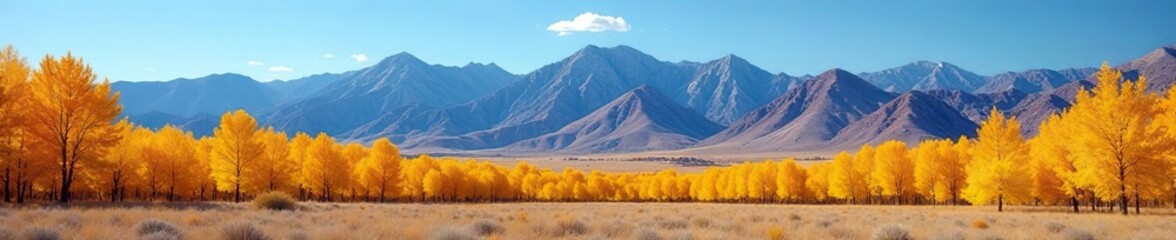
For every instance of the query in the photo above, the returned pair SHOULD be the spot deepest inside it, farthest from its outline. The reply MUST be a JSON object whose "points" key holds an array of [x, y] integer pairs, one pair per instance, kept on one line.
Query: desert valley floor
{"points": [[586, 221]]}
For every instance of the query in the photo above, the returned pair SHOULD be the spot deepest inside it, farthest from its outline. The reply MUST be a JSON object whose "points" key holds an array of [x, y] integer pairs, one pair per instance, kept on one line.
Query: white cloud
{"points": [[359, 57], [280, 69], [328, 56], [589, 22], [255, 63], [149, 69]]}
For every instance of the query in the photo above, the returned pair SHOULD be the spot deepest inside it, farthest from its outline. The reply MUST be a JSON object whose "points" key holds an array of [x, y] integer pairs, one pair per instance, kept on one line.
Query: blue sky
{"points": [[163, 40]]}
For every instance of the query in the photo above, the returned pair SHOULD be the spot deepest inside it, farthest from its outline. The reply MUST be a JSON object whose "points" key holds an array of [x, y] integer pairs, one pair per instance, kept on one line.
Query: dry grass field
{"points": [[571, 221]]}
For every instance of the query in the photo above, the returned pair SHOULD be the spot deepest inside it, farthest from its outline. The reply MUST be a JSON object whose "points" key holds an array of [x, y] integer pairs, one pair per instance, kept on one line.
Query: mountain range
{"points": [[618, 99]]}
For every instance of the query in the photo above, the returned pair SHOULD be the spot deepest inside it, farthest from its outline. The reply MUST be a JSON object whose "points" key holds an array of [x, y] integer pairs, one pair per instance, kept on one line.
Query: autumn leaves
{"points": [[58, 137], [56, 120], [1116, 143]]}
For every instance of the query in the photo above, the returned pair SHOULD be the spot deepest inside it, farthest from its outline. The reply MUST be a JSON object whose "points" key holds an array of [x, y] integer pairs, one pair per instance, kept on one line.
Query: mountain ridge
{"points": [[481, 108]]}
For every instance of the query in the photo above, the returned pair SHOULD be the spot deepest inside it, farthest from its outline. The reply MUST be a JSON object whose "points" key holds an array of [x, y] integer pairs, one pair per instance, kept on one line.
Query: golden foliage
{"points": [[1116, 142], [998, 172]]}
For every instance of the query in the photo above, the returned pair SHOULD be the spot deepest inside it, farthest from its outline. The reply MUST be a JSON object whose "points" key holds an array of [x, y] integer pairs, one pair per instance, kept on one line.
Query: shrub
{"points": [[71, 221], [1076, 234], [242, 231], [891, 232], [521, 215], [486, 227], [1055, 227], [194, 220], [949, 236], [452, 233], [673, 224], [979, 224], [570, 226], [41, 233], [275, 201], [159, 236], [615, 228], [840, 234], [775, 233], [156, 226], [733, 228], [645, 233], [701, 222]]}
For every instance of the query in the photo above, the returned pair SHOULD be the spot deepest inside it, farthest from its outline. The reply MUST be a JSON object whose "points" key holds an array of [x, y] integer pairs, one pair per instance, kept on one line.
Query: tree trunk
{"points": [[113, 186], [7, 180], [1122, 199], [1000, 202], [1137, 202], [20, 190], [1093, 203], [1074, 200], [65, 185], [237, 189]]}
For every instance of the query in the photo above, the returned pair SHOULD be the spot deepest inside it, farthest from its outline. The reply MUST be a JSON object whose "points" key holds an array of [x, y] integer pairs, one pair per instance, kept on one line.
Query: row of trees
{"points": [[60, 137]]}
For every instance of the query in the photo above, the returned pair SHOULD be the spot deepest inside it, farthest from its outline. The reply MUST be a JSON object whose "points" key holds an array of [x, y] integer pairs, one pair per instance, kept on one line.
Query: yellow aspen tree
{"points": [[710, 188], [237, 147], [14, 96], [206, 184], [600, 186], [326, 167], [274, 168], [177, 152], [1047, 185], [739, 181], [998, 171], [927, 159], [790, 181], [118, 169], [864, 162], [894, 170], [413, 176], [1168, 121], [517, 178], [762, 181], [846, 180], [380, 170], [14, 81], [952, 171], [433, 184], [71, 116], [818, 181], [352, 153], [1051, 148], [298, 156], [1119, 150]]}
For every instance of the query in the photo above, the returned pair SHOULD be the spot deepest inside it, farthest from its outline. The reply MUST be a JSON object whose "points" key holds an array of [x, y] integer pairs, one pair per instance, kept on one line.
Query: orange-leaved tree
{"points": [[70, 117], [14, 81]]}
